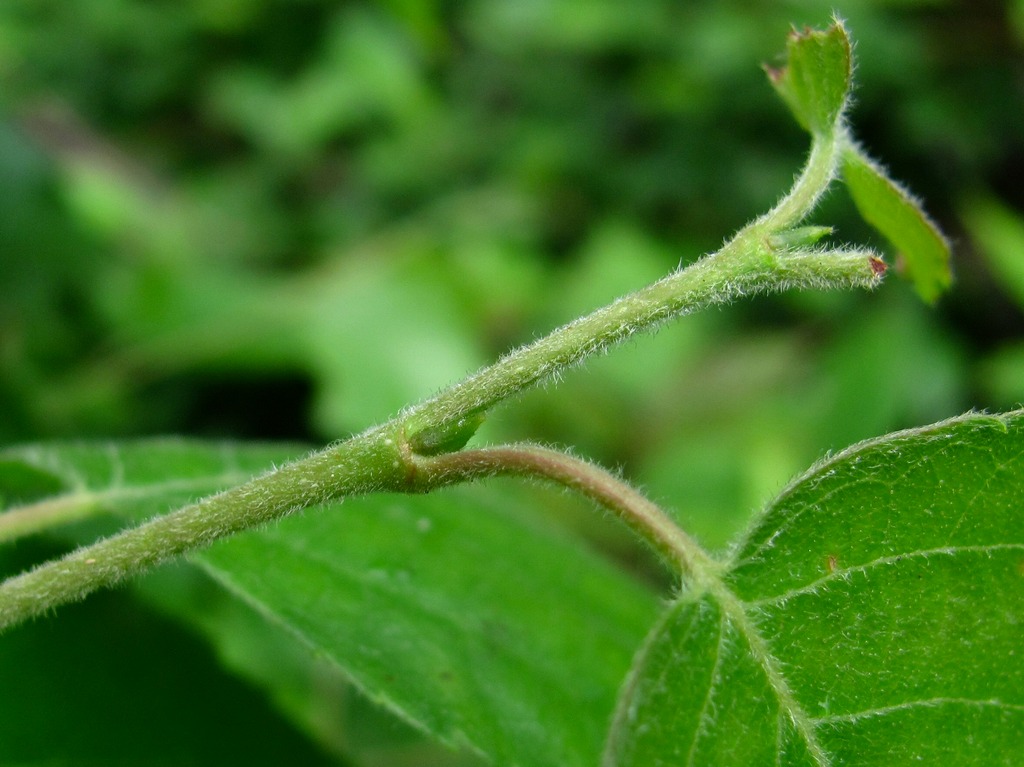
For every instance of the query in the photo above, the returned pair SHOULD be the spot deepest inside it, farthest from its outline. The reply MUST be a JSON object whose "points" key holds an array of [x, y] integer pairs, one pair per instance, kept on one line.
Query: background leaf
{"points": [[464, 612], [894, 212], [872, 616], [998, 233], [424, 603], [113, 682], [308, 689]]}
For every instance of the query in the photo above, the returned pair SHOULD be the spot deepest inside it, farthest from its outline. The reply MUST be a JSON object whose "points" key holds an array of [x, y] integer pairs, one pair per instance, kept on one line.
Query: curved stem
{"points": [[810, 185], [645, 518]]}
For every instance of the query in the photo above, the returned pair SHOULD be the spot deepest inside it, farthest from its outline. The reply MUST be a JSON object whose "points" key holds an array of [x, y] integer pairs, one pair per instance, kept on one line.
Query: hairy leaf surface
{"points": [[873, 615], [815, 80]]}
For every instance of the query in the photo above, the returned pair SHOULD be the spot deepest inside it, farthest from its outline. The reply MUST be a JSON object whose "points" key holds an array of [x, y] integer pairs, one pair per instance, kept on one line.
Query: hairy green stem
{"points": [[810, 185], [754, 261], [645, 518], [369, 462], [746, 265]]}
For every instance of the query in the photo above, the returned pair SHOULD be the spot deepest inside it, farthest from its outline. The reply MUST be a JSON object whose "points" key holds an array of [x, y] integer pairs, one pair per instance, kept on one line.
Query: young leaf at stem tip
{"points": [[815, 80]]}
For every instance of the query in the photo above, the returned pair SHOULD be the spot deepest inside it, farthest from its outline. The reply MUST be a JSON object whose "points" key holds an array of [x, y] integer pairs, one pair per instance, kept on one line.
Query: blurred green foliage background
{"points": [[290, 218]]}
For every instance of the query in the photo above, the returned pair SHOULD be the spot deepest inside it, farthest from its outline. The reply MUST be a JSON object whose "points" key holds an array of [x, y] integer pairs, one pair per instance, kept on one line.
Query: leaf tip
{"points": [[775, 73]]}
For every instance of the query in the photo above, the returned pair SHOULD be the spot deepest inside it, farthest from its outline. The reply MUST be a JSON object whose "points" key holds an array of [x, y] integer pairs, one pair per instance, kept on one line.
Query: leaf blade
{"points": [[815, 80], [883, 597], [896, 214], [47, 486], [418, 599], [482, 649]]}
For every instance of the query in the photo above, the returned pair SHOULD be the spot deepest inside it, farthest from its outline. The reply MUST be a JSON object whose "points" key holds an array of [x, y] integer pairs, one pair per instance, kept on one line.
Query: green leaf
{"points": [[815, 80], [44, 486], [872, 616], [311, 690], [456, 610], [465, 612], [894, 212]]}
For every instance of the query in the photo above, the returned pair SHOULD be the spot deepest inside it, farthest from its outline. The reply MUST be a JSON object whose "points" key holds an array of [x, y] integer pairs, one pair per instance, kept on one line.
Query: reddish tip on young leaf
{"points": [[775, 74], [878, 266]]}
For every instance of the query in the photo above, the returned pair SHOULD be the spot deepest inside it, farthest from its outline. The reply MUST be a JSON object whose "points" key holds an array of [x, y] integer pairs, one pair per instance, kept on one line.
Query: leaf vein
{"points": [[795, 514], [844, 573], [736, 611], [705, 718], [912, 704]]}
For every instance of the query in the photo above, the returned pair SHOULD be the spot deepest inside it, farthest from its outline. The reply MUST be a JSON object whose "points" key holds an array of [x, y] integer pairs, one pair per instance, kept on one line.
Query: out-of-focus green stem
{"points": [[37, 517]]}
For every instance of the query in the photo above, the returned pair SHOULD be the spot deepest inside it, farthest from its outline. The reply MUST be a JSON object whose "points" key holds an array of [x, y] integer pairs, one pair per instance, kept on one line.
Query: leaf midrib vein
{"points": [[735, 609], [712, 683], [87, 497]]}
